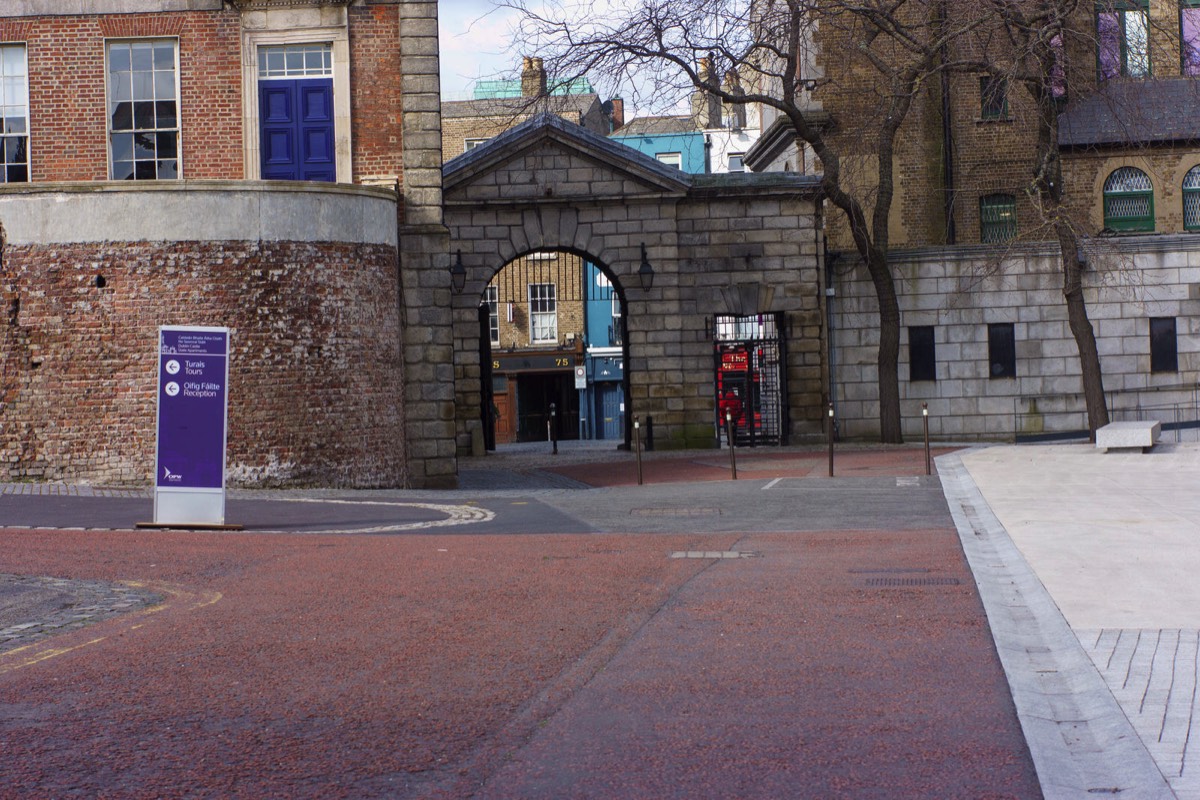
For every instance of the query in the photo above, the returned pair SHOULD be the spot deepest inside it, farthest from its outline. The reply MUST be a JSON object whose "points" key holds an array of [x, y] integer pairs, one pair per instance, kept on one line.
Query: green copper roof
{"points": [[498, 90]]}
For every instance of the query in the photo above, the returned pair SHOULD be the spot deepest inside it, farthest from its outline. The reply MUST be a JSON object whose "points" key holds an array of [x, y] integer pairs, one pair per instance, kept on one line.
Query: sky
{"points": [[475, 41]]}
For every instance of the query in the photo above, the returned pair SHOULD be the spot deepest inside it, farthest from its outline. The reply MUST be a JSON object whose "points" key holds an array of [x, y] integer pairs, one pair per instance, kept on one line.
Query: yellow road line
{"points": [[42, 651]]}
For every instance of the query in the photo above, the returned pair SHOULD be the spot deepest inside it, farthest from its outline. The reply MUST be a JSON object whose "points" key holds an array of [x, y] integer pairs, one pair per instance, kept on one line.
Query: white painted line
{"points": [[772, 483]]}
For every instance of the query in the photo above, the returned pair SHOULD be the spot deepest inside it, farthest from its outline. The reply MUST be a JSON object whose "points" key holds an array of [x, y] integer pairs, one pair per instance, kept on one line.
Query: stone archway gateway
{"points": [[734, 244]]}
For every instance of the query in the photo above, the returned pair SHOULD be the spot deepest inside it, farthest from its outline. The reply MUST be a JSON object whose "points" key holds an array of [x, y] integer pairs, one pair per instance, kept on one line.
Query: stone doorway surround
{"points": [[732, 243]]}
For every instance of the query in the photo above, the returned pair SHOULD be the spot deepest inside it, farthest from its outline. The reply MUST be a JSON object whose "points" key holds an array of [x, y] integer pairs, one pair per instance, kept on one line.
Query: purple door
{"points": [[296, 129]]}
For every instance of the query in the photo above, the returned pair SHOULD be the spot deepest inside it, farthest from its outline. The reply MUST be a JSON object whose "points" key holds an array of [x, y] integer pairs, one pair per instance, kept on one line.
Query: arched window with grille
{"points": [[1191, 199], [1129, 200], [997, 218]]}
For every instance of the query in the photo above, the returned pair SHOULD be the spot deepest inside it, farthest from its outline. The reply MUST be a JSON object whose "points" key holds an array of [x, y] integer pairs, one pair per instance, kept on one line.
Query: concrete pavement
{"points": [[1087, 563]]}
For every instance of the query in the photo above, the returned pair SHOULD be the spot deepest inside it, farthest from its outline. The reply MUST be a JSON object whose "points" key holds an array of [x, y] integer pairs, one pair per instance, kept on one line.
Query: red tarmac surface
{"points": [[514, 667], [752, 464]]}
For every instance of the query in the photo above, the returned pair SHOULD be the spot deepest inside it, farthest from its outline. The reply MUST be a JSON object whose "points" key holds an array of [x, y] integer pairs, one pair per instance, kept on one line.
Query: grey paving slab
{"points": [[1153, 675], [1115, 538], [1083, 744]]}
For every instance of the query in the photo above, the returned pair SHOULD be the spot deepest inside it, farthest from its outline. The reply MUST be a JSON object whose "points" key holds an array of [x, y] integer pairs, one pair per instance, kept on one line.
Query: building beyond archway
{"points": [[744, 246]]}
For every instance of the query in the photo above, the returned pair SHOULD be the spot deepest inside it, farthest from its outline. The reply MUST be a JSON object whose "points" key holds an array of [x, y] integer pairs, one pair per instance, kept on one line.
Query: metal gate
{"points": [[750, 379]]}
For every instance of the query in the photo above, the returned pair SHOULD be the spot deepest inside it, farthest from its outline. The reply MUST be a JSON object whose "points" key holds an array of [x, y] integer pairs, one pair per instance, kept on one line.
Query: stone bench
{"points": [[1141, 434]]}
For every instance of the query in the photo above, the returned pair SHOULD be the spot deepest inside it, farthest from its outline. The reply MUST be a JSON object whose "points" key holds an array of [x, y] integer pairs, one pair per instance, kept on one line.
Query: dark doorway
{"points": [[535, 393]]}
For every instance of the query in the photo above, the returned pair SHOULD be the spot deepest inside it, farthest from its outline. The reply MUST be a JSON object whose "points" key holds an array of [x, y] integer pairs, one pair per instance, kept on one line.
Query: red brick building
{"points": [[195, 162], [205, 93]]}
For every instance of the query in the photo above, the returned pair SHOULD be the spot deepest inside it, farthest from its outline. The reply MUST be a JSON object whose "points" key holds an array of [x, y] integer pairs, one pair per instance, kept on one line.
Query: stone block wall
{"points": [[959, 291], [768, 245], [546, 186]]}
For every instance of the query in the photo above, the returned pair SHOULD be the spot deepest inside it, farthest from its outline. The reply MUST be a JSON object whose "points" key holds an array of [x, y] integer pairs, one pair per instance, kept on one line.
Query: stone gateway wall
{"points": [[315, 374], [960, 291], [729, 244]]}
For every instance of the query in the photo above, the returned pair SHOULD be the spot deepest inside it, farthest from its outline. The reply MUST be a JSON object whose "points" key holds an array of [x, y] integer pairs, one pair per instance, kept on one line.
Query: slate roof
{"points": [[1134, 112], [616, 154], [656, 126], [603, 147]]}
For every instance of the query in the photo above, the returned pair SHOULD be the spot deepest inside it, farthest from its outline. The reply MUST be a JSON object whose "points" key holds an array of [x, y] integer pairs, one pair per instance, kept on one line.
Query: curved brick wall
{"points": [[315, 378]]}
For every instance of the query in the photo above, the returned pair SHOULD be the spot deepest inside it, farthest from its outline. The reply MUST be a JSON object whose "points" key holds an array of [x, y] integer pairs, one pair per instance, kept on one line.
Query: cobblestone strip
{"points": [[71, 490], [90, 601], [1153, 674]]}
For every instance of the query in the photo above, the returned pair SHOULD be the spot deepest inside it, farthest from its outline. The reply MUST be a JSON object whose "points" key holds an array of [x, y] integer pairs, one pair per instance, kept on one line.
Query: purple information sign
{"points": [[192, 377]]}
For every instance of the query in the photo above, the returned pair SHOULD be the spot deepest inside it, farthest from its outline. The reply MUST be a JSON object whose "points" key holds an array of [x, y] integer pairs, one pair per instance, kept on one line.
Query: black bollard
{"points": [[831, 440], [925, 420], [732, 448], [637, 447]]}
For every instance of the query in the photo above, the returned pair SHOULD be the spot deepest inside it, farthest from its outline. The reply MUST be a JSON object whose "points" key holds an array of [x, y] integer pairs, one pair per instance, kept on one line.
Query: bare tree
{"points": [[660, 51], [1026, 47], [1065, 56]]}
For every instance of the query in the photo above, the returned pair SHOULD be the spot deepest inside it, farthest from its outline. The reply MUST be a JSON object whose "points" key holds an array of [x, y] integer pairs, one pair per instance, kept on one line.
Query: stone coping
{"points": [[47, 214], [196, 185]]}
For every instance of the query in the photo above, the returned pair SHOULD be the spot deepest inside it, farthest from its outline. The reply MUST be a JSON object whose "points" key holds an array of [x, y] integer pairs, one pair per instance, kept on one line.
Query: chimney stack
{"points": [[533, 77], [706, 107], [617, 113]]}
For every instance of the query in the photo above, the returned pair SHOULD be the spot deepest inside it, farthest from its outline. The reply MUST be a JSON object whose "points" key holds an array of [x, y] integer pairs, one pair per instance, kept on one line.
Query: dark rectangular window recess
{"points": [[922, 360], [1002, 350], [1164, 351], [993, 98]]}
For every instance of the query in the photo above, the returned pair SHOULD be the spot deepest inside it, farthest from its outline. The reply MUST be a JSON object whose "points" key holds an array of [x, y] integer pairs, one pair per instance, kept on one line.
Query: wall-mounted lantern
{"points": [[458, 273], [645, 271]]}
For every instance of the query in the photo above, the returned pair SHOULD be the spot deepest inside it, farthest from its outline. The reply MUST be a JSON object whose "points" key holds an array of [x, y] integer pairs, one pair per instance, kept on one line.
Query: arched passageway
{"points": [[678, 251], [552, 351]]}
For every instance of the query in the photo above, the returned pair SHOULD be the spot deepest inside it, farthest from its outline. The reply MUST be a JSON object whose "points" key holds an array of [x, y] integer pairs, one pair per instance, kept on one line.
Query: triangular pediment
{"points": [[549, 157]]}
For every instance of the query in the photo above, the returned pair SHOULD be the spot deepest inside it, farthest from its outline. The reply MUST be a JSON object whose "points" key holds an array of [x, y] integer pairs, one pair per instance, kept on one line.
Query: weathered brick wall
{"points": [[315, 388], [565, 271], [456, 131], [856, 94], [989, 156], [375, 107]]}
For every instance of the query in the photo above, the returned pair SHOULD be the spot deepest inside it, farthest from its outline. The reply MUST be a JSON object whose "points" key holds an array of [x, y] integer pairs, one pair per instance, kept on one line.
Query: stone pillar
{"points": [[425, 292]]}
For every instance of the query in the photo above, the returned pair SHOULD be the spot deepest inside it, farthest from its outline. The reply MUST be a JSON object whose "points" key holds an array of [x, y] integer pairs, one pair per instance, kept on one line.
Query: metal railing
{"points": [[1064, 417]]}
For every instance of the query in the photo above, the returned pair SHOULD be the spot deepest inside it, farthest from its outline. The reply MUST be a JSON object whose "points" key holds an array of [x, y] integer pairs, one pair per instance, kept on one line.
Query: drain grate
{"points": [[711, 554], [675, 512], [888, 571], [896, 582]]}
